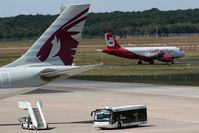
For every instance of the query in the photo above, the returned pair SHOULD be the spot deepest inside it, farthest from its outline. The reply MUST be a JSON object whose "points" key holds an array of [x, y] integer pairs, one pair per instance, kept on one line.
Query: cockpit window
{"points": [[180, 49]]}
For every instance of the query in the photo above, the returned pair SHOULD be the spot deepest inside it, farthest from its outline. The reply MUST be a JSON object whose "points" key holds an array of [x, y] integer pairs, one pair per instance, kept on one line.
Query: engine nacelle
{"points": [[166, 59]]}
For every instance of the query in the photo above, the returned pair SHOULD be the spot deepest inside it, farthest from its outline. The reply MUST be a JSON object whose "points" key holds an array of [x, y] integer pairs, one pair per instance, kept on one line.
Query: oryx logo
{"points": [[63, 38], [110, 40]]}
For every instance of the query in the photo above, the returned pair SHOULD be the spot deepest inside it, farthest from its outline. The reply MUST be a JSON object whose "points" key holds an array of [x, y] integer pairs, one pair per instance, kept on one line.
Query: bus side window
{"points": [[113, 118]]}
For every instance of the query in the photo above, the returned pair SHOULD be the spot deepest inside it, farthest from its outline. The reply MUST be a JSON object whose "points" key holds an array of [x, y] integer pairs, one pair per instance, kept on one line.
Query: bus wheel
{"points": [[34, 128], [119, 125]]}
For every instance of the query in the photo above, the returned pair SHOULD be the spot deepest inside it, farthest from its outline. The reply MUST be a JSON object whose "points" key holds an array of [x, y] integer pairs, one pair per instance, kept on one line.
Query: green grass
{"points": [[146, 70], [188, 80], [117, 69], [16, 44], [6, 60], [161, 74]]}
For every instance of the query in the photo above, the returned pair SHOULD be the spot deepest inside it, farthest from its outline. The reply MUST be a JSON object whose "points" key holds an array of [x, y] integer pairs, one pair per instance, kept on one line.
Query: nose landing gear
{"points": [[140, 62]]}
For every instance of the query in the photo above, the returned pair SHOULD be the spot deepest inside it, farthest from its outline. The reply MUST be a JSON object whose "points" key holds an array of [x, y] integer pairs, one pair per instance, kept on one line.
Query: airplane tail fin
{"points": [[58, 44], [111, 42]]}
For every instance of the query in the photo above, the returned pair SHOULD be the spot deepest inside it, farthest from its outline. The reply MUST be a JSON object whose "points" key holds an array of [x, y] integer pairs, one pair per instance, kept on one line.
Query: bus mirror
{"points": [[92, 113]]}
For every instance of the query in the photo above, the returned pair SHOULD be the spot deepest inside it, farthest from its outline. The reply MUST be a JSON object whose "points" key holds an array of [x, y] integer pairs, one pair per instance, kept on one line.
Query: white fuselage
{"points": [[20, 77], [151, 51], [18, 80]]}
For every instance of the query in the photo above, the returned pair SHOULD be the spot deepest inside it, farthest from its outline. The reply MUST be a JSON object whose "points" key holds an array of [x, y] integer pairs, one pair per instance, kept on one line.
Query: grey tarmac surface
{"points": [[67, 106]]}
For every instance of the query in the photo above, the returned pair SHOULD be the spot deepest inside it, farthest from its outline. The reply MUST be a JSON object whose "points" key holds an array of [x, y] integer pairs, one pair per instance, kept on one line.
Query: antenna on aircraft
{"points": [[62, 8]]}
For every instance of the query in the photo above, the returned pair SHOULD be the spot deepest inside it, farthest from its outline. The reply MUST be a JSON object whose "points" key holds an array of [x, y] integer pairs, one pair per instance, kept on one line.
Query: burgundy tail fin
{"points": [[58, 44]]}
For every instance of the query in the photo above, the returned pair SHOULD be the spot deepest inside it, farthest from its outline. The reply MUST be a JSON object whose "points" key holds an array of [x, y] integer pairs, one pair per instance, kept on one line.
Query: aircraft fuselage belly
{"points": [[20, 77]]}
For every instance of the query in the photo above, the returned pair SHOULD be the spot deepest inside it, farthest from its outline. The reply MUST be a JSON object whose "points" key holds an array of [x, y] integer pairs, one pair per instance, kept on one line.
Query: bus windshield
{"points": [[102, 115]]}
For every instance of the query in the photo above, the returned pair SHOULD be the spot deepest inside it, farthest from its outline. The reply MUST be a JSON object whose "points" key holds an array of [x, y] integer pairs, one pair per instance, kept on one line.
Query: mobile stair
{"points": [[36, 115]]}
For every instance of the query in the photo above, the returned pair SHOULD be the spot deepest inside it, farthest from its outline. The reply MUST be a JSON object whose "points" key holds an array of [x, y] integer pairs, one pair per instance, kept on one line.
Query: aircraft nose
{"points": [[182, 53]]}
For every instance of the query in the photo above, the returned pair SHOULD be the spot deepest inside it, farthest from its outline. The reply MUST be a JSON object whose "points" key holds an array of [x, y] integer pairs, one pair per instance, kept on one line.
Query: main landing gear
{"points": [[151, 62], [140, 62], [172, 62]]}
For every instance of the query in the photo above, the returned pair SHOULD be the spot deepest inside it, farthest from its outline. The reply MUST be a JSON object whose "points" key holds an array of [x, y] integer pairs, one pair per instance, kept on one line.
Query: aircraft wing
{"points": [[157, 56], [68, 72]]}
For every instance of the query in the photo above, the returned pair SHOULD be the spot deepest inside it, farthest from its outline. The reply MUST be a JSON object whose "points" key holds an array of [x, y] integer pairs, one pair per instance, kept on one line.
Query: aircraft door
{"points": [[5, 79]]}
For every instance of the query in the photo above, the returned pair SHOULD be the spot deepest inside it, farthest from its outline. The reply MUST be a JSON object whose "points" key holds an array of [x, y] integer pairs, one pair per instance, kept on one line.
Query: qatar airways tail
{"points": [[147, 54], [50, 57]]}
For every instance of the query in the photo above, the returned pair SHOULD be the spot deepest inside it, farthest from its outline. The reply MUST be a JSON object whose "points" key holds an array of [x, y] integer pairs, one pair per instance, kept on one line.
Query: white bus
{"points": [[118, 117]]}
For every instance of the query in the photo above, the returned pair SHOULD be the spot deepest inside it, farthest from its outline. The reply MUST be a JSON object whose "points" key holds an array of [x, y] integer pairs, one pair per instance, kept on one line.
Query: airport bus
{"points": [[118, 117]]}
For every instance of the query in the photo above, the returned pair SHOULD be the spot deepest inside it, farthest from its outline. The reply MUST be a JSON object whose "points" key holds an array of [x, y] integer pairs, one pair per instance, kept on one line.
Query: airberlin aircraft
{"points": [[147, 54], [50, 57]]}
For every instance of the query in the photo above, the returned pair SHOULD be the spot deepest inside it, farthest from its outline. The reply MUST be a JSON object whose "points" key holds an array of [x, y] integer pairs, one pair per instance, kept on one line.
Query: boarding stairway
{"points": [[38, 118], [36, 114]]}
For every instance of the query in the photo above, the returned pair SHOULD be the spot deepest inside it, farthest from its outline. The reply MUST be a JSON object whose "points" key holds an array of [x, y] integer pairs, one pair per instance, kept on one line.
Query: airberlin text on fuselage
{"points": [[153, 51]]}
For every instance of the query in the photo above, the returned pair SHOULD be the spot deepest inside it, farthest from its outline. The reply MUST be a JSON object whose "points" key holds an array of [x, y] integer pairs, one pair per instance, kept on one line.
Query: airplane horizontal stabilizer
{"points": [[68, 72], [99, 50]]}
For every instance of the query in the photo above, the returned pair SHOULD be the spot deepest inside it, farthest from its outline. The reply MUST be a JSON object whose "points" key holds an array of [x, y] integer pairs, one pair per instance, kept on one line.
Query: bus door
{"points": [[135, 114]]}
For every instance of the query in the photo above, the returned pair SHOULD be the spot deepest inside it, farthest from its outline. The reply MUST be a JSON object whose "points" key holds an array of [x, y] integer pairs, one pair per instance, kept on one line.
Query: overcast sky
{"points": [[16, 7]]}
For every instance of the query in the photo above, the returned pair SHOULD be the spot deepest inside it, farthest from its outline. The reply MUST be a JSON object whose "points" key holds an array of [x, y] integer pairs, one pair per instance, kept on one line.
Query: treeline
{"points": [[24, 26], [149, 22]]}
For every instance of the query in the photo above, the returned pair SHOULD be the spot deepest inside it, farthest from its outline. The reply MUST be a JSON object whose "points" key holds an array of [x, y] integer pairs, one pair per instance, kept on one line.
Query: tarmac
{"points": [[67, 106]]}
